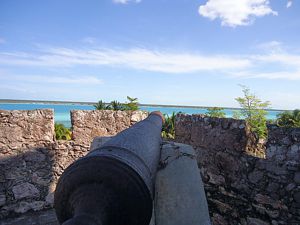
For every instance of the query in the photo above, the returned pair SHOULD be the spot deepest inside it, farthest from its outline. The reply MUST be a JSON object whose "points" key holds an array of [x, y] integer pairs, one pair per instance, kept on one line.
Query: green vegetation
{"points": [[168, 129], [289, 119], [100, 105], [253, 110], [61, 132], [237, 114], [115, 105], [215, 112], [132, 104], [271, 121]]}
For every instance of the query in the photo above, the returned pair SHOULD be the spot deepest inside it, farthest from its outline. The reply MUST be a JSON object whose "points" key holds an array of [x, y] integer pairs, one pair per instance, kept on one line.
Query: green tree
{"points": [[100, 105], [215, 112], [253, 110], [236, 114], [115, 105], [168, 128], [289, 119], [132, 104], [61, 132]]}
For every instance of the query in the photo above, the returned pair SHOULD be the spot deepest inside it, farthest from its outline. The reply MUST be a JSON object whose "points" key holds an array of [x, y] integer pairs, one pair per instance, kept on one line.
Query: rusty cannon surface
{"points": [[113, 184]]}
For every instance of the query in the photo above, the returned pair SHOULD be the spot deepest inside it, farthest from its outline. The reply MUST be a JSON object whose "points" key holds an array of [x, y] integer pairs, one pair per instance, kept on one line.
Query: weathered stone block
{"points": [[23, 128], [25, 190], [23, 207], [88, 124]]}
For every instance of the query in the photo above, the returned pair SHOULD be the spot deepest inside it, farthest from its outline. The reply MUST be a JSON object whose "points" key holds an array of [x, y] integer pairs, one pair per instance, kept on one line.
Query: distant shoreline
{"points": [[14, 101]]}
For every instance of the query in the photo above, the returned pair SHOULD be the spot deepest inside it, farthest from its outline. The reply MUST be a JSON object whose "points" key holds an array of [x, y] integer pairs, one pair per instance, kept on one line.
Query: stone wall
{"points": [[31, 160], [25, 165], [87, 124], [241, 188], [217, 133], [24, 128]]}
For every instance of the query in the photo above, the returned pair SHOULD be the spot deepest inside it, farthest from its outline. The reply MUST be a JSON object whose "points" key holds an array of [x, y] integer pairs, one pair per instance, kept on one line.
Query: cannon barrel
{"points": [[113, 184]]}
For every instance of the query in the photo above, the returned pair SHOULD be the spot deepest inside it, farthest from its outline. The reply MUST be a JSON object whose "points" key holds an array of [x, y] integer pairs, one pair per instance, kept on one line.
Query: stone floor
{"points": [[47, 217]]}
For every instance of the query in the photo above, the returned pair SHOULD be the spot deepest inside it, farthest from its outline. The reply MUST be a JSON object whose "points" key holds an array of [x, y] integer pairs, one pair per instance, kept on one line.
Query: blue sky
{"points": [[187, 52]]}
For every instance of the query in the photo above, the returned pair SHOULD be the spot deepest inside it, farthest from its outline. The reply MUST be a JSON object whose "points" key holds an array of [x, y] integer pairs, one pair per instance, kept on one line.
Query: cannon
{"points": [[113, 184]]}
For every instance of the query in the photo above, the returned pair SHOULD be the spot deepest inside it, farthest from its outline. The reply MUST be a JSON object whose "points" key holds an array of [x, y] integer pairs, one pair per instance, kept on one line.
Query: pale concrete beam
{"points": [[180, 197]]}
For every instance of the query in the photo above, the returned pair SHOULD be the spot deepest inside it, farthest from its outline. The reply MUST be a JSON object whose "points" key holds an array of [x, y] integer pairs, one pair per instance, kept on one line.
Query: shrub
{"points": [[61, 132], [168, 128], [115, 105], [289, 119], [236, 114], [132, 104], [215, 112], [253, 110], [100, 105]]}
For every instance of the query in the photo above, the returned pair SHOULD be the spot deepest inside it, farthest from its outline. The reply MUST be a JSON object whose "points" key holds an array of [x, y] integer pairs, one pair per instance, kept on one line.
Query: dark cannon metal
{"points": [[113, 184]]}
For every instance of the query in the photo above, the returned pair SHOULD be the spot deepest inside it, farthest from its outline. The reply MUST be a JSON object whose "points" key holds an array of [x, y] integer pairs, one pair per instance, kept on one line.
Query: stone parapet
{"points": [[31, 160], [217, 133], [241, 188], [87, 124], [25, 128]]}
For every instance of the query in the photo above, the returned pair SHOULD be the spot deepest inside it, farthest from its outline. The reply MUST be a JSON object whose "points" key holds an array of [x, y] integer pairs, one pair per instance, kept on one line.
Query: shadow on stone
{"points": [[27, 182]]}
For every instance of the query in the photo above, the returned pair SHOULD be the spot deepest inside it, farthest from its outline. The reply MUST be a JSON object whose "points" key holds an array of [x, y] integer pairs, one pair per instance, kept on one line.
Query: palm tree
{"points": [[100, 105], [289, 119], [115, 105], [132, 104]]}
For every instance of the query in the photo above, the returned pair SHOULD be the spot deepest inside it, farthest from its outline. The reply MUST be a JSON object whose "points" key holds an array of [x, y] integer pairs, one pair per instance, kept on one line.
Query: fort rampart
{"points": [[247, 181]]}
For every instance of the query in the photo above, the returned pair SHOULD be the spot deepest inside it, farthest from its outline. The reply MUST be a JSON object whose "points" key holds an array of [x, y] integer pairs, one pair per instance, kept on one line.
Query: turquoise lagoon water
{"points": [[62, 111]]}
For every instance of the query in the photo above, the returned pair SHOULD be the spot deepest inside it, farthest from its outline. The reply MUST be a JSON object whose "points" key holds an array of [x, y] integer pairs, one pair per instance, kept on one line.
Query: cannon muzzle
{"points": [[113, 184]]}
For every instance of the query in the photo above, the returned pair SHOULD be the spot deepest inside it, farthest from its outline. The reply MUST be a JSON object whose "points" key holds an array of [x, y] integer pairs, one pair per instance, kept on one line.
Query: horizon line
{"points": [[140, 104]]}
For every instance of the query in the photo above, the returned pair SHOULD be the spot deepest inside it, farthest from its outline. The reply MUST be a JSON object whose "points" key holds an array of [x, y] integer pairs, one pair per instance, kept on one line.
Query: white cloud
{"points": [[91, 80], [272, 46], [285, 59], [16, 88], [142, 59], [293, 75], [289, 4], [236, 12], [126, 1], [274, 63], [79, 79], [281, 65]]}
